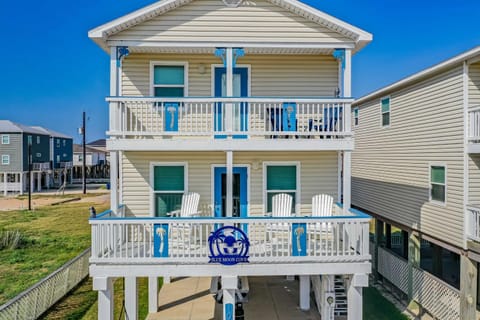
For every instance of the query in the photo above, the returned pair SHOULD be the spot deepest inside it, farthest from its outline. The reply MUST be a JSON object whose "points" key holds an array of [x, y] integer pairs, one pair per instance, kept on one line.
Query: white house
{"points": [[244, 104]]}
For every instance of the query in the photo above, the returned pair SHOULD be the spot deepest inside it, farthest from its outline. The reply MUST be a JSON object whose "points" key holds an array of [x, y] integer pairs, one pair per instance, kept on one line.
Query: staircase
{"points": [[340, 298]]}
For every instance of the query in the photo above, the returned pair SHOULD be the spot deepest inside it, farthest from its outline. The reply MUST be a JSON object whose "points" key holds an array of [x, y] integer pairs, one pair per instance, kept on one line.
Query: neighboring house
{"points": [[416, 169], [240, 105], [15, 139], [61, 156], [95, 161]]}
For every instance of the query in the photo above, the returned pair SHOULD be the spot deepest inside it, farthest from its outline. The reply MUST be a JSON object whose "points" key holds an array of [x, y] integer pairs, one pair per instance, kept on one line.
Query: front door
{"points": [[240, 202], [240, 110]]}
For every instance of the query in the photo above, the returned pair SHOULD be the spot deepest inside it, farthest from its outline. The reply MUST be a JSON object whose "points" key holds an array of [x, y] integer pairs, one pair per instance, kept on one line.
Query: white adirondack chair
{"points": [[282, 205], [189, 206], [322, 206]]}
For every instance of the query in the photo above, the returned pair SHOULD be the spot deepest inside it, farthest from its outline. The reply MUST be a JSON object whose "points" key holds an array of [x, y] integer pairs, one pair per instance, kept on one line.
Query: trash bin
{"points": [[108, 185]]}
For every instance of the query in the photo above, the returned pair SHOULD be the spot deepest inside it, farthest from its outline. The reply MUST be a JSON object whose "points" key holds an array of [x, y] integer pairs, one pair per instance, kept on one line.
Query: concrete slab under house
{"points": [[230, 140]]}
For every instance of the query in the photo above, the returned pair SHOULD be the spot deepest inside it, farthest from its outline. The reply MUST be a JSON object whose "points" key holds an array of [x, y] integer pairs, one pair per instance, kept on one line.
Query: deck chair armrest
{"points": [[175, 213]]}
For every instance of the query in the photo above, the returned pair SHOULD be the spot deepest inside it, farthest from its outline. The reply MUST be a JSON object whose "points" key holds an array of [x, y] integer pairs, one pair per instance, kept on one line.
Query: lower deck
{"points": [[273, 298]]}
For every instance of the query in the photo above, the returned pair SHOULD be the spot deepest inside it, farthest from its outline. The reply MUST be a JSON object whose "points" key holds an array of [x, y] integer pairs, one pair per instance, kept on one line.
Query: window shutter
{"points": [[169, 178]]}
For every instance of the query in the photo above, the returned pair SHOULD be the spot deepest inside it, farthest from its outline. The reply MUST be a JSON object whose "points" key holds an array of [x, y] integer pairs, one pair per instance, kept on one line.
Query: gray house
{"points": [[14, 142]]}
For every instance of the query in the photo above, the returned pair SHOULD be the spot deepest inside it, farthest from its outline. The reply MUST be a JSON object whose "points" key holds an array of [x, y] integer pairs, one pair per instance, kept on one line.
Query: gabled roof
{"points": [[52, 133], [98, 143], [7, 126], [101, 33], [470, 54], [77, 148]]}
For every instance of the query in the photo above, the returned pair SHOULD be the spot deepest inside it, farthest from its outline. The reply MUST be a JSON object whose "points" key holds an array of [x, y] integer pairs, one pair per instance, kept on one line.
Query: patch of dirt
{"points": [[7, 204]]}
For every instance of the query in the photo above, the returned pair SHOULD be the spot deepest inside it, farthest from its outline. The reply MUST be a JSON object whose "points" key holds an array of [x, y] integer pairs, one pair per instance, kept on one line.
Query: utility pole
{"points": [[29, 173], [84, 164]]}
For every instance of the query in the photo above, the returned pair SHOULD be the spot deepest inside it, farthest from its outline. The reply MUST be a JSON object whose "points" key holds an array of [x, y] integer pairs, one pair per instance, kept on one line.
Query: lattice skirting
{"points": [[393, 269]]}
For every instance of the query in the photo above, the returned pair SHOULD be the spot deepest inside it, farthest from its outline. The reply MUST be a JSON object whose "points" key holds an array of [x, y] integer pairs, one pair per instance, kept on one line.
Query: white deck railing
{"points": [[474, 124], [66, 164], [137, 240], [473, 223], [41, 166], [250, 117], [10, 186]]}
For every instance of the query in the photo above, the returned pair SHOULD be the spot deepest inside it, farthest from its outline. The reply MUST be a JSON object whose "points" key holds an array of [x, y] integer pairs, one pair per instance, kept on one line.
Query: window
{"points": [[281, 179], [38, 155], [38, 139], [385, 112], [58, 143], [437, 183], [440, 262], [5, 139], [5, 159], [169, 185], [29, 139], [58, 158], [169, 80], [355, 116], [64, 143], [80, 157]]}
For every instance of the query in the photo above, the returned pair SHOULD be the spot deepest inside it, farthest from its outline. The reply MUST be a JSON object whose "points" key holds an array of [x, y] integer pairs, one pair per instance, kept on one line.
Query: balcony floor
{"points": [[269, 298]]}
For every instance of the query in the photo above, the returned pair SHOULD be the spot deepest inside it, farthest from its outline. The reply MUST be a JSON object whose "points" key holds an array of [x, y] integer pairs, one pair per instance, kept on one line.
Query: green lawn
{"points": [[376, 307], [52, 235]]}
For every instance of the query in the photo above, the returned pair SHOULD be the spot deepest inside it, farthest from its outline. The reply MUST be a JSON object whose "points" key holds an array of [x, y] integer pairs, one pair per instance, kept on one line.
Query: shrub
{"points": [[12, 239]]}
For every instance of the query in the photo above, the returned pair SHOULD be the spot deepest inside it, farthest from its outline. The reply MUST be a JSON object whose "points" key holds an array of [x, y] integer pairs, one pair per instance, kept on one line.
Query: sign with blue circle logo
{"points": [[228, 246]]}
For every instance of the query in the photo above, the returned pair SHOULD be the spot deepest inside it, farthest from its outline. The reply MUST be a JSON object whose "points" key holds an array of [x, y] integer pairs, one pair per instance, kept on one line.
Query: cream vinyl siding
{"points": [[390, 166], [474, 179], [271, 75], [318, 175], [474, 85], [211, 21]]}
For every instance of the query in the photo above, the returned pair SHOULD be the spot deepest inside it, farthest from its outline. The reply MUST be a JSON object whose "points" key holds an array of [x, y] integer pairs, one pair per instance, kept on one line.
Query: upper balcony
{"points": [[251, 123]]}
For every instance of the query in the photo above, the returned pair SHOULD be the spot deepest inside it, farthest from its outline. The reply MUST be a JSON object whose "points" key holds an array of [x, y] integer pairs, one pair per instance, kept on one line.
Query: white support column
{"points": [[339, 176], [354, 296], [22, 186], [328, 297], [347, 180], [131, 298], [114, 181], [104, 286], [32, 174], [347, 74], [229, 204], [39, 181], [229, 87], [229, 287], [305, 293], [152, 294], [5, 184]]}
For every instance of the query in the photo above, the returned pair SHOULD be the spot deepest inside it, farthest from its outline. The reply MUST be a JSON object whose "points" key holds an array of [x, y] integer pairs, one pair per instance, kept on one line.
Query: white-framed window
{"points": [[58, 143], [38, 139], [356, 113], [385, 108], [281, 178], [5, 159], [169, 184], [169, 79], [5, 139], [29, 140], [438, 183]]}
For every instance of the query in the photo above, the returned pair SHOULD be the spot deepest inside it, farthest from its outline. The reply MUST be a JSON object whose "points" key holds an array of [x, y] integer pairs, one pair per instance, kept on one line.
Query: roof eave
{"points": [[445, 65]]}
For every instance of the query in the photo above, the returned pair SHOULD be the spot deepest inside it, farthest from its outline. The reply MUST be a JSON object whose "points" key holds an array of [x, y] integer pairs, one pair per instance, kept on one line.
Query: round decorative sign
{"points": [[228, 246]]}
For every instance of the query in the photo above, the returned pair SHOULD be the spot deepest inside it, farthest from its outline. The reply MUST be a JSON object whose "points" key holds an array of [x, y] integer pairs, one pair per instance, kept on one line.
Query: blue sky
{"points": [[50, 71]]}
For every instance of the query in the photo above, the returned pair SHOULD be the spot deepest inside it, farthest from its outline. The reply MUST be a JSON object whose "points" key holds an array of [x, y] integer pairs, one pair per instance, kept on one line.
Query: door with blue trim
{"points": [[240, 110], [240, 196]]}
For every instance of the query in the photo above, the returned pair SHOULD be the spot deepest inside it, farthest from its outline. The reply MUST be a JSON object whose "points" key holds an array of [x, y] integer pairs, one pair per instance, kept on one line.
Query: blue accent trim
{"points": [[289, 116], [308, 218], [171, 116], [229, 311], [218, 123], [222, 53], [160, 240], [121, 53], [237, 53], [299, 239], [356, 212], [339, 54], [103, 214], [218, 171], [286, 98]]}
